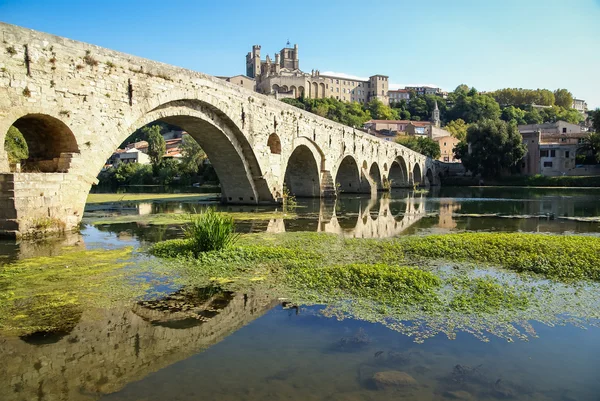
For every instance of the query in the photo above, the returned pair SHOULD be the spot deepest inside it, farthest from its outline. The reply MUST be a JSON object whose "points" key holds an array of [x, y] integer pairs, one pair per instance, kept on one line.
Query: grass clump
{"points": [[210, 231], [553, 256]]}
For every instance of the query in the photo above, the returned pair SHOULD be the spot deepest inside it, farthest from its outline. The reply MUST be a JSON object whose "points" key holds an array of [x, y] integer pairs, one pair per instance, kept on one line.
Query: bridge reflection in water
{"points": [[108, 349], [360, 217]]}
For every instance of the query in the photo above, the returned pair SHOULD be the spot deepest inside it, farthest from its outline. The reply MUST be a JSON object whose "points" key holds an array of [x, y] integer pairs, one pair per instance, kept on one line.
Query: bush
{"points": [[211, 231]]}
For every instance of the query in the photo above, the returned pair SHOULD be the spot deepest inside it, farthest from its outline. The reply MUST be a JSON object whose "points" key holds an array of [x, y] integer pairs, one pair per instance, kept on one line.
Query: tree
{"points": [[15, 146], [192, 155], [423, 145], [458, 129], [512, 113], [491, 147], [474, 107], [591, 146], [533, 117], [595, 117], [380, 111], [156, 145], [563, 98]]}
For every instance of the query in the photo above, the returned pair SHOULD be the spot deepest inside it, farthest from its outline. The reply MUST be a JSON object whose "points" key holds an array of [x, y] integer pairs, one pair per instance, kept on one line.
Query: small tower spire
{"points": [[436, 116]]}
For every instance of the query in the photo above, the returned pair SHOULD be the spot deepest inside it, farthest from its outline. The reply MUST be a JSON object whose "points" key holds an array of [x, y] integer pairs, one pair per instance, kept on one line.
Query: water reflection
{"points": [[109, 348]]}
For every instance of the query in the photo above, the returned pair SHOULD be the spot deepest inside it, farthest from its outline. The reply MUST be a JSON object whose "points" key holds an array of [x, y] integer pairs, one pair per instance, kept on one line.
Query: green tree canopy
{"points": [[423, 145], [380, 111], [15, 146], [458, 129], [491, 147], [514, 114], [156, 145], [591, 146], [192, 155], [595, 117], [472, 107], [563, 98], [522, 97]]}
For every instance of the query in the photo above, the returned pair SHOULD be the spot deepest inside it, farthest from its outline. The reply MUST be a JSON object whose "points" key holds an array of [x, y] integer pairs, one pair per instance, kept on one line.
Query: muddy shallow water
{"points": [[252, 346]]}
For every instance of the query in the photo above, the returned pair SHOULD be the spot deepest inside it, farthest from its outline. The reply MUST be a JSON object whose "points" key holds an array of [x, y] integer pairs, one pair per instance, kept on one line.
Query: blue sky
{"points": [[488, 44]]}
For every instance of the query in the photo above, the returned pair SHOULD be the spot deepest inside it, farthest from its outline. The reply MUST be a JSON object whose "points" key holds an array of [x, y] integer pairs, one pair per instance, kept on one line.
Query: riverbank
{"points": [[527, 181]]}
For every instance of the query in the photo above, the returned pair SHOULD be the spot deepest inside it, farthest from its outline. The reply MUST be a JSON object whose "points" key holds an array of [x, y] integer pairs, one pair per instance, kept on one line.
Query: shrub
{"points": [[211, 231]]}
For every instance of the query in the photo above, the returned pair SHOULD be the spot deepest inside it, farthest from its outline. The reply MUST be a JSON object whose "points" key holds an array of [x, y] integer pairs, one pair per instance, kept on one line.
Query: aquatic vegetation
{"points": [[401, 282], [384, 283], [210, 231], [553, 256], [48, 293], [484, 294]]}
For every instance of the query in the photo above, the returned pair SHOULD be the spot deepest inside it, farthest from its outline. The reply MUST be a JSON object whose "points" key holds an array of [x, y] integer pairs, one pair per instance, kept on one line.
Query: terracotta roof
{"points": [[388, 121]]}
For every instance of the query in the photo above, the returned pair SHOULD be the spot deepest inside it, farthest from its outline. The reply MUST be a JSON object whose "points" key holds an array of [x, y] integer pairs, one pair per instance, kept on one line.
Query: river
{"points": [[251, 345]]}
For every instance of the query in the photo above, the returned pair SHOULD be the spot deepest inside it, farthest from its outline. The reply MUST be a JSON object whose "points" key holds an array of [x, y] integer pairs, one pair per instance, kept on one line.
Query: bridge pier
{"points": [[40, 203]]}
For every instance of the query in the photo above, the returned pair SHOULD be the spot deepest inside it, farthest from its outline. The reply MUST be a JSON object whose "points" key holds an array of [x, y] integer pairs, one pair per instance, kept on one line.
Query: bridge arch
{"points": [[375, 175], [51, 143], [417, 175], [227, 148], [347, 176], [302, 173], [430, 179], [398, 174]]}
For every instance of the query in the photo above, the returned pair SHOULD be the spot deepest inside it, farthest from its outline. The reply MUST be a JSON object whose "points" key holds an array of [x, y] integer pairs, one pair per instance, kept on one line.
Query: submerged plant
{"points": [[211, 231]]}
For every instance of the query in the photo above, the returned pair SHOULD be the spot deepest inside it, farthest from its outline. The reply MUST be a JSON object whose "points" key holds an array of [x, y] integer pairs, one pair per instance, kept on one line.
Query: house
{"points": [[447, 144]]}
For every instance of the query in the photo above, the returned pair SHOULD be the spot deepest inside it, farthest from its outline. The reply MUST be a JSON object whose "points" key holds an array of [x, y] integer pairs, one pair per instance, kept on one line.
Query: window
{"points": [[337, 81], [337, 89], [444, 143], [446, 159], [241, 82], [567, 154], [553, 153], [547, 164], [564, 130], [563, 139], [543, 153]]}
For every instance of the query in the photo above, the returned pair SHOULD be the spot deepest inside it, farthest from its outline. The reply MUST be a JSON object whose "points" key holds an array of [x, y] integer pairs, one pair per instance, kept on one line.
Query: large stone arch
{"points": [[322, 90], [302, 173], [398, 174], [347, 176], [429, 176], [227, 148]]}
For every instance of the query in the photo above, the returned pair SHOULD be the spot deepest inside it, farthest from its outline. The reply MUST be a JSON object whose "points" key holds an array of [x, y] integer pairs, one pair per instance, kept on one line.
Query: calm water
{"points": [[248, 346]]}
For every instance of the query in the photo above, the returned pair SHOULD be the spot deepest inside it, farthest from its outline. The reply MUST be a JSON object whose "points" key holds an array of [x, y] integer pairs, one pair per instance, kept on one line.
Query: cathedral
{"points": [[283, 78]]}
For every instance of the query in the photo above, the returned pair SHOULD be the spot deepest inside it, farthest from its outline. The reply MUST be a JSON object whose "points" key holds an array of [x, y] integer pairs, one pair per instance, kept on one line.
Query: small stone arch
{"points": [[284, 89], [322, 90], [417, 175], [274, 144], [375, 175], [275, 88], [294, 90], [50, 142], [300, 91], [398, 174], [347, 177]]}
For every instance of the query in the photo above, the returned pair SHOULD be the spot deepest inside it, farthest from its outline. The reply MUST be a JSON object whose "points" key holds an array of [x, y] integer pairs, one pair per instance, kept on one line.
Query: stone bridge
{"points": [[75, 104]]}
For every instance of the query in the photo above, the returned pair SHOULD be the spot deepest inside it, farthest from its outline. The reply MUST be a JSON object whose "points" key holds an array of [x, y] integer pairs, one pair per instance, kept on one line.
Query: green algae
{"points": [[50, 293], [393, 283]]}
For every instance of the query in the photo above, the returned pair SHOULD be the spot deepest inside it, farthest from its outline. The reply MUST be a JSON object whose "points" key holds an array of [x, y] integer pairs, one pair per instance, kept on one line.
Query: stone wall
{"points": [[89, 99]]}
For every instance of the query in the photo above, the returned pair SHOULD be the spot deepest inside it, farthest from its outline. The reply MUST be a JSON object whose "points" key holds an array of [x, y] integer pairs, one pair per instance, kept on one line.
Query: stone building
{"points": [[241, 80], [552, 149], [447, 144], [284, 77], [398, 95]]}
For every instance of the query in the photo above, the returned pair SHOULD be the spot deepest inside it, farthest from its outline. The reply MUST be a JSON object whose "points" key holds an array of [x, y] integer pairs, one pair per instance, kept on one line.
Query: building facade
{"points": [[551, 148], [447, 144], [283, 76]]}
